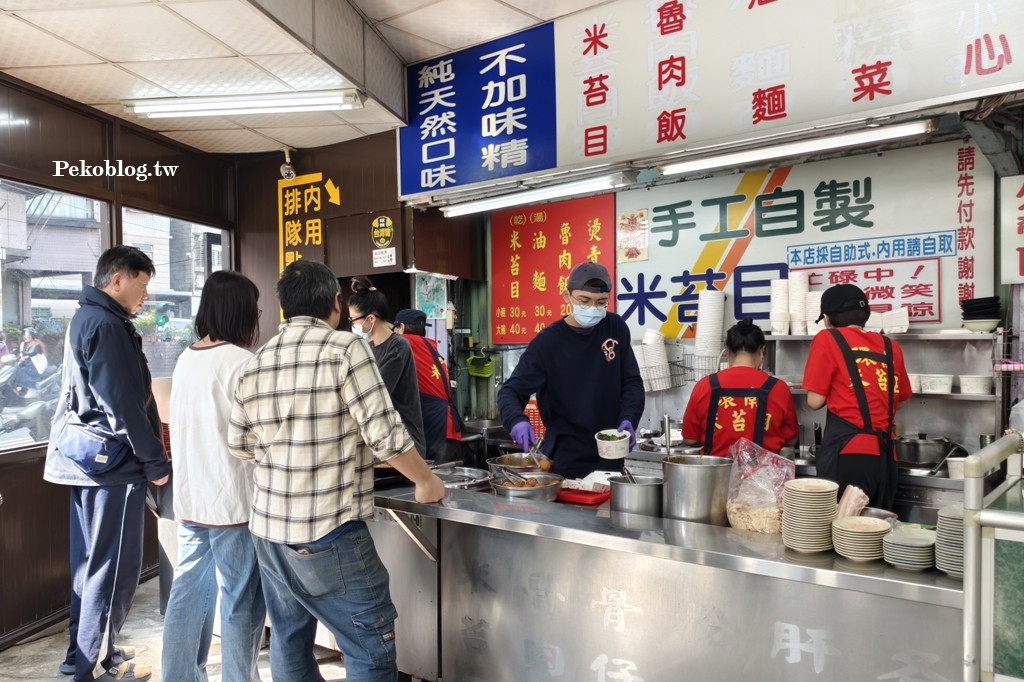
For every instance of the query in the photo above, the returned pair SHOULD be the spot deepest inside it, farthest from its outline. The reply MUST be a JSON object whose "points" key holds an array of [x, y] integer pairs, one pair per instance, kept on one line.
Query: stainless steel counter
{"points": [[534, 590]]}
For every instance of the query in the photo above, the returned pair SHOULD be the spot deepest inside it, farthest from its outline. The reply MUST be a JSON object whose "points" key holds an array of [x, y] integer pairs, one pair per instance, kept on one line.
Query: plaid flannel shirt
{"points": [[309, 408]]}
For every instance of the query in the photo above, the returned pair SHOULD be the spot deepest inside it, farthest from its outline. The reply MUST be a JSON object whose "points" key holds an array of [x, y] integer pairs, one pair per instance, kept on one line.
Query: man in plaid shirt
{"points": [[312, 411]]}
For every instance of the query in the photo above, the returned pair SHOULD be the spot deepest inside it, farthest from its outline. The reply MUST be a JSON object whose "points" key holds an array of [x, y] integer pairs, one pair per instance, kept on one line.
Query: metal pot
{"points": [[923, 451], [641, 497], [696, 488]]}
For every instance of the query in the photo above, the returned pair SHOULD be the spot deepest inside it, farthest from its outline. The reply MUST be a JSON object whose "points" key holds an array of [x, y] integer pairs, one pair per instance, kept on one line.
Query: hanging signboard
{"points": [[533, 250], [906, 226], [1011, 233]]}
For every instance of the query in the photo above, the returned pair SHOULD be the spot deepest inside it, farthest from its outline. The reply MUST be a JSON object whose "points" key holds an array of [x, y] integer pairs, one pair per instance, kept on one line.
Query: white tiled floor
{"points": [[37, 661]]}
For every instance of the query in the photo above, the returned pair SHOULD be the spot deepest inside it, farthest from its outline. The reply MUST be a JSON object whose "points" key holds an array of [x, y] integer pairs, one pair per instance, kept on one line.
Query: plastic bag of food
{"points": [[755, 487]]}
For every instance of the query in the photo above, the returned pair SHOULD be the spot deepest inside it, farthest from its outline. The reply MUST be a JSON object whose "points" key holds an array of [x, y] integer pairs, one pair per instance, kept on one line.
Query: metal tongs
{"points": [[534, 449], [628, 474], [512, 476]]}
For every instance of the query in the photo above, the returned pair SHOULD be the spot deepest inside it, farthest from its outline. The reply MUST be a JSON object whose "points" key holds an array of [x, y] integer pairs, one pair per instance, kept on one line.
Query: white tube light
{"points": [[234, 105], [598, 184], [860, 137]]}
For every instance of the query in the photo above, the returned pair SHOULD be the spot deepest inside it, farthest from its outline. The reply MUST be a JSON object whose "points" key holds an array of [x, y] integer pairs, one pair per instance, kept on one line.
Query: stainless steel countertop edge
{"points": [[690, 542]]}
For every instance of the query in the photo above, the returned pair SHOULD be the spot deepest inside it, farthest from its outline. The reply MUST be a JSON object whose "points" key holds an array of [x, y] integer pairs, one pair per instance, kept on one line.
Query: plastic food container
{"points": [[936, 383], [955, 467], [612, 449], [976, 384]]}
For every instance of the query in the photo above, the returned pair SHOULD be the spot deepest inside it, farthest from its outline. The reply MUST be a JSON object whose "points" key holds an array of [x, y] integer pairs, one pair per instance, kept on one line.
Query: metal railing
{"points": [[1009, 447]]}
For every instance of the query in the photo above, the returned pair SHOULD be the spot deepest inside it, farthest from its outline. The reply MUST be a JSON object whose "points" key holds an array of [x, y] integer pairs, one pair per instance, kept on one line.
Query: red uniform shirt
{"points": [[825, 373], [432, 381], [735, 417]]}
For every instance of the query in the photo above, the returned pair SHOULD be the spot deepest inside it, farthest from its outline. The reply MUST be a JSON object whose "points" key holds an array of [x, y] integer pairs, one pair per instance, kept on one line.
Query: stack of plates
{"points": [[981, 308], [808, 509], [859, 538], [949, 540], [911, 549]]}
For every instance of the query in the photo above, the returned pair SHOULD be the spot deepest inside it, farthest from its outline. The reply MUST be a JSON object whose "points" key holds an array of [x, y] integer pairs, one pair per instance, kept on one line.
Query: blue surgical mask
{"points": [[588, 316], [360, 332]]}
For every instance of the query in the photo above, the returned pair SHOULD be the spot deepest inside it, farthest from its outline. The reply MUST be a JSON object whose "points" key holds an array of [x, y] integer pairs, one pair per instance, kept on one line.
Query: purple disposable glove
{"points": [[627, 426], [522, 433]]}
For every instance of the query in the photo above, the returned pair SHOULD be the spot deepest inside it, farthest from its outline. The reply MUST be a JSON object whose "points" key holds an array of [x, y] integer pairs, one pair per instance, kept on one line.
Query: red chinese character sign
{"points": [[533, 249]]}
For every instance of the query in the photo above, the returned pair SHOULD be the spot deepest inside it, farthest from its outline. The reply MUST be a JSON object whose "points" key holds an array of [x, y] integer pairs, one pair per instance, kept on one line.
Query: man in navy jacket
{"points": [[106, 380], [585, 375]]}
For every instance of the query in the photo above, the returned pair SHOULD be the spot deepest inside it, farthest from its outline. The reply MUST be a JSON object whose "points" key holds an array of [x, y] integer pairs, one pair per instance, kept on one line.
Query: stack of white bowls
{"points": [[859, 538], [710, 326], [812, 309], [778, 313], [655, 369], [676, 353], [808, 509], [798, 285], [910, 549], [949, 540]]}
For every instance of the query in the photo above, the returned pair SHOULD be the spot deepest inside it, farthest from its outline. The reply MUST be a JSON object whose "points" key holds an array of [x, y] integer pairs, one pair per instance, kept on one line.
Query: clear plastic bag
{"points": [[755, 487]]}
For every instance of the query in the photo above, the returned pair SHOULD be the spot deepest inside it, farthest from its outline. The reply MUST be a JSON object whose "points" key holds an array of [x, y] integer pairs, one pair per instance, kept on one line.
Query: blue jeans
{"points": [[340, 581], [206, 557]]}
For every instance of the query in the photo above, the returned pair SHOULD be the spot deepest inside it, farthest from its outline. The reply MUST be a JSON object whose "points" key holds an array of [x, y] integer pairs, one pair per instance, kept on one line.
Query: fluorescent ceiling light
{"points": [[236, 105], [532, 196], [860, 137]]}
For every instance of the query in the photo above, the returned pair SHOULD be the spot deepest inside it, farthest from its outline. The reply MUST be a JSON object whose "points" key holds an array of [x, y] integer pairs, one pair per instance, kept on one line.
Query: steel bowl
{"points": [[465, 478], [547, 491], [518, 463]]}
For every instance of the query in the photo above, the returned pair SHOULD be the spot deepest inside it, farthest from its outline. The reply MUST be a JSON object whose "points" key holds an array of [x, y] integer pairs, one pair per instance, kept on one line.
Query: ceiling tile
{"points": [[26, 45], [412, 48], [12, 5], [547, 10], [205, 77], [372, 112], [297, 120], [317, 136], [162, 124], [244, 28], [459, 23], [383, 9], [91, 83], [143, 33], [374, 128], [236, 141], [302, 72]]}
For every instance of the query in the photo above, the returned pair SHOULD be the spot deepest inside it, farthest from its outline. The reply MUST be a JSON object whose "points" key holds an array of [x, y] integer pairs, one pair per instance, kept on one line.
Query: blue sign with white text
{"points": [[480, 114]]}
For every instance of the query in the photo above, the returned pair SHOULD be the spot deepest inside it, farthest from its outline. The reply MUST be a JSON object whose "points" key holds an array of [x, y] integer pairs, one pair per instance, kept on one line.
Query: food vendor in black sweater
{"points": [[584, 374]]}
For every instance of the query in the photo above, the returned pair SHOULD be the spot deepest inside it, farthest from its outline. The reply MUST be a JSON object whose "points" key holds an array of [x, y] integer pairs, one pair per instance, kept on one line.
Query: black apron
{"points": [[760, 415], [839, 432]]}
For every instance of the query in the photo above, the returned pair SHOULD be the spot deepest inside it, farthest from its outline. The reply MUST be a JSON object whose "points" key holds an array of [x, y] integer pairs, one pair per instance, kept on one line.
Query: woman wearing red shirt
{"points": [[856, 448], [741, 401]]}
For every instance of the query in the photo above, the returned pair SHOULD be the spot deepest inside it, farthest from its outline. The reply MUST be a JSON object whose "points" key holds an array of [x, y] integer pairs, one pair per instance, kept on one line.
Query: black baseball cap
{"points": [[589, 276], [410, 316], [840, 298]]}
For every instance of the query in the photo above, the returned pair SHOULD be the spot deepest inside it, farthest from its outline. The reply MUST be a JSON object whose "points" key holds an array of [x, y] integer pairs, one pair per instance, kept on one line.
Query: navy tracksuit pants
{"points": [[106, 561]]}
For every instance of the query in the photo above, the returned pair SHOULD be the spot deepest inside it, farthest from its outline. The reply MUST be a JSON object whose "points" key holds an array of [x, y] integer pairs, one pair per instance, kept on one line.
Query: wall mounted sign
{"points": [[299, 218], [1011, 233], [382, 231]]}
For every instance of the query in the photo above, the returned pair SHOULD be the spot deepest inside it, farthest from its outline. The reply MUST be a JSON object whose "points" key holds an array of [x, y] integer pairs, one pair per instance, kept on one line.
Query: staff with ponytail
{"points": [[741, 401]]}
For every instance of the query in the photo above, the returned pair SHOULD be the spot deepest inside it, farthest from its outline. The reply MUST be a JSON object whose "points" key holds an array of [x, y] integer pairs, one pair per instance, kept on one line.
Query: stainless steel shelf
{"points": [[955, 335]]}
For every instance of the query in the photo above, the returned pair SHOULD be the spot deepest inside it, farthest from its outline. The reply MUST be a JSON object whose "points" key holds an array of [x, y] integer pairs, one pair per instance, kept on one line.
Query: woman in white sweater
{"points": [[213, 494]]}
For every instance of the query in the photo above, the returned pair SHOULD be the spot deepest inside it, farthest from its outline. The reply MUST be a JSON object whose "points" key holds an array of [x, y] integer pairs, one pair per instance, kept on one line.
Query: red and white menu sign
{"points": [[1011, 211], [533, 250]]}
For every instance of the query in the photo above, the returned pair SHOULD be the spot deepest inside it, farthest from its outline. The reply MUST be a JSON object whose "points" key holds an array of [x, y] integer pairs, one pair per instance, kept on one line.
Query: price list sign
{"points": [[533, 249]]}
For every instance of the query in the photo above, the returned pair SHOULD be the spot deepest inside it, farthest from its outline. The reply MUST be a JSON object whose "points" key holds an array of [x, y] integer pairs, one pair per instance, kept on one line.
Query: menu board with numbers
{"points": [[533, 250]]}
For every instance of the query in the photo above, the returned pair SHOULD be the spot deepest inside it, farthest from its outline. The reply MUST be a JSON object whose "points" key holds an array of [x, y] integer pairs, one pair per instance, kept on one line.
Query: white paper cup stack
{"points": [[710, 323], [655, 368], [812, 311], [676, 361], [778, 313]]}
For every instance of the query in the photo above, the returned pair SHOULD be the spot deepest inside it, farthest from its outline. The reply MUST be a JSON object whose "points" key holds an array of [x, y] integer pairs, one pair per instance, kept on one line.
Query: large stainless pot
{"points": [[696, 488], [922, 451], [643, 495]]}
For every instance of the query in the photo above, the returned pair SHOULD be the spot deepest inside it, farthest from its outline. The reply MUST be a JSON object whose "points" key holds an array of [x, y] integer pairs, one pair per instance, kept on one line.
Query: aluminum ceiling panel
{"points": [[301, 120], [90, 83], [11, 5], [295, 15], [338, 36], [378, 10], [142, 33], [242, 27], [460, 23], [207, 77], [226, 141], [374, 128], [370, 113], [385, 74], [316, 136], [547, 10], [303, 71], [26, 45], [412, 48]]}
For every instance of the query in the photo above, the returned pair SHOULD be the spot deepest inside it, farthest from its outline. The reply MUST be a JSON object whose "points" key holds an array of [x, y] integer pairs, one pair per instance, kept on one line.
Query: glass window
{"points": [[49, 244], [185, 254]]}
